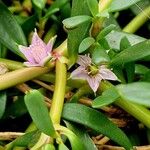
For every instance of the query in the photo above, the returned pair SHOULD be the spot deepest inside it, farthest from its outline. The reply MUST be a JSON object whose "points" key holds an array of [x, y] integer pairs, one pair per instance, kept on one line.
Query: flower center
{"points": [[92, 70]]}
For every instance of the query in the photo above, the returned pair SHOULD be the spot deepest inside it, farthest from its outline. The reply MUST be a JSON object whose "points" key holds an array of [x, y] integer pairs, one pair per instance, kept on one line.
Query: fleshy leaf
{"points": [[75, 141], [74, 22], [133, 53], [99, 55], [3, 99], [76, 36], [107, 97], [93, 6], [34, 101], [97, 121], [118, 5], [137, 92], [85, 44]]}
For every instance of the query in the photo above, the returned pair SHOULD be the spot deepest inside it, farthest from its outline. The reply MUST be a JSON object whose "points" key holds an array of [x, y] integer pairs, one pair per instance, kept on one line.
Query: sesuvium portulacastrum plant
{"points": [[96, 50]]}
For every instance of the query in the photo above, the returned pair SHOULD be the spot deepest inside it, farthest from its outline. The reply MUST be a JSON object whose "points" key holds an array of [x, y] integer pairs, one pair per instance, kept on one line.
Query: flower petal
{"points": [[45, 60], [84, 60], [38, 52], [50, 44], [36, 40], [107, 74], [94, 83], [79, 73], [27, 53]]}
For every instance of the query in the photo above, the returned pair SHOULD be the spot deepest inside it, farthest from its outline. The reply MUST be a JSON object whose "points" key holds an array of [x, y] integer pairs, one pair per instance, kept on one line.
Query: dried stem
{"points": [[10, 135], [109, 147]]}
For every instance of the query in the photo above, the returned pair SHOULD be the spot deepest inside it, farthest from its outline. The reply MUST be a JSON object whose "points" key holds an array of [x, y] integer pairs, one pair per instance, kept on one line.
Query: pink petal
{"points": [[50, 44], [93, 83], [38, 52], [27, 53], [36, 40], [45, 60], [107, 74], [79, 73], [84, 60]]}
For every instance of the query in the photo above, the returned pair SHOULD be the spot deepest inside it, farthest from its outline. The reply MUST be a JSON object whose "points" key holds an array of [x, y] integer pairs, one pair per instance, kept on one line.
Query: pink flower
{"points": [[92, 73], [38, 53]]}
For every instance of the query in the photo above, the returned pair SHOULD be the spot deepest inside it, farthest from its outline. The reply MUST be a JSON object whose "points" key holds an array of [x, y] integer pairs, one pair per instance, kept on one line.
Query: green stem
{"points": [[57, 103], [21, 75], [59, 92], [139, 112], [138, 21], [12, 65]]}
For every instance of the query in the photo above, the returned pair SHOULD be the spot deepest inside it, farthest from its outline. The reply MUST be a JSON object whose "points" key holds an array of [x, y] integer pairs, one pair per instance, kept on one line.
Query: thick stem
{"points": [[62, 49], [139, 112], [138, 21], [19, 76], [12, 65], [59, 92]]}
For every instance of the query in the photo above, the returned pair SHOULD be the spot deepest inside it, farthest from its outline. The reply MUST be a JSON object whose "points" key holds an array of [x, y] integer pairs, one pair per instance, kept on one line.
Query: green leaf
{"points": [[142, 4], [137, 92], [76, 36], [113, 39], [62, 147], [74, 22], [34, 101], [99, 55], [93, 7], [118, 70], [29, 24], [8, 29], [130, 70], [124, 43], [146, 76], [39, 3], [83, 135], [141, 69], [48, 147], [105, 31], [3, 51], [97, 121], [133, 53], [107, 97], [129, 67], [85, 44], [118, 5], [76, 143], [51, 12], [3, 99], [54, 7]]}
